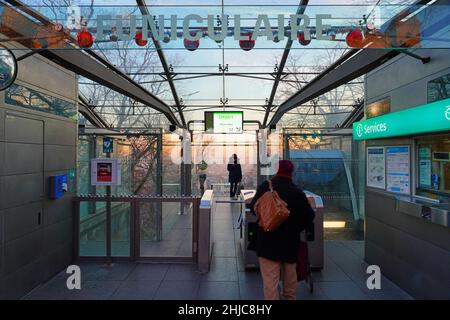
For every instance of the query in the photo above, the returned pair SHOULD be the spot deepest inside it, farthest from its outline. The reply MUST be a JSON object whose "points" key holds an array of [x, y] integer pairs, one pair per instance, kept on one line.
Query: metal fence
{"points": [[151, 228]]}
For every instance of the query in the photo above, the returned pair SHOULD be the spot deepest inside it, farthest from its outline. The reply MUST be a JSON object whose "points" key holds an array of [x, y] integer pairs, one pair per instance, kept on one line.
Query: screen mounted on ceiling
{"points": [[224, 121]]}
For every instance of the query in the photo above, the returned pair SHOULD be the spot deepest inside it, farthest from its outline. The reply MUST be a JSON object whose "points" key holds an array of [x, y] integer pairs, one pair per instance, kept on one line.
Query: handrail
{"points": [[129, 198]]}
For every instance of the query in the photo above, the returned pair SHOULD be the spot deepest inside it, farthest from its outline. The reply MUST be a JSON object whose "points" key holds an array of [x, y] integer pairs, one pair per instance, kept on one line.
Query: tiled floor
{"points": [[344, 275]]}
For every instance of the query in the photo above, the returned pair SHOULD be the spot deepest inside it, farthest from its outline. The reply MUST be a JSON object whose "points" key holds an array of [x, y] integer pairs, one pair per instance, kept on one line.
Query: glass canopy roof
{"points": [[220, 75]]}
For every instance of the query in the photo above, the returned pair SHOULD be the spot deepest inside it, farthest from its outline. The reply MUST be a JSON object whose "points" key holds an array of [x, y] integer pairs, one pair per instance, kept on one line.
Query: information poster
{"points": [[398, 176], [105, 172], [425, 167], [376, 168]]}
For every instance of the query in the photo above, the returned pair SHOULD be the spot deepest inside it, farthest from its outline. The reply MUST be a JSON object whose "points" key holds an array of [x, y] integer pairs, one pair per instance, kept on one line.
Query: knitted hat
{"points": [[285, 168]]}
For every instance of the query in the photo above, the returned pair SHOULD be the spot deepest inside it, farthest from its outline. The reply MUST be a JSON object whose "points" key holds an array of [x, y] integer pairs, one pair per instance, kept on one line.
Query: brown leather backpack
{"points": [[271, 210]]}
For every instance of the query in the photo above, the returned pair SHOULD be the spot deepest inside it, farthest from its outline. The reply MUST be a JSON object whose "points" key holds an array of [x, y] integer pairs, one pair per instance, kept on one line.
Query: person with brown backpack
{"points": [[283, 212]]}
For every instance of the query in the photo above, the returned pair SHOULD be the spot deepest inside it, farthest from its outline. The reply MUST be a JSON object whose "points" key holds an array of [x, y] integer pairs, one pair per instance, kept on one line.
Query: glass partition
{"points": [[165, 230], [329, 164]]}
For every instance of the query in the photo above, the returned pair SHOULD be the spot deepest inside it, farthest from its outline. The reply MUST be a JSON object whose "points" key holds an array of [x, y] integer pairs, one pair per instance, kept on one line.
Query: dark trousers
{"points": [[233, 188]]}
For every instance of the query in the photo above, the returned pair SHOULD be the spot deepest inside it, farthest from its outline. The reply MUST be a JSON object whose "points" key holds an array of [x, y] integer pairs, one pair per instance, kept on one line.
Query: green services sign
{"points": [[427, 118]]}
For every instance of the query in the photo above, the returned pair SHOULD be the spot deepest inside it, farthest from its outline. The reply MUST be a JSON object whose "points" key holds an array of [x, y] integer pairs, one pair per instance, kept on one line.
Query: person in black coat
{"points": [[277, 250], [234, 174]]}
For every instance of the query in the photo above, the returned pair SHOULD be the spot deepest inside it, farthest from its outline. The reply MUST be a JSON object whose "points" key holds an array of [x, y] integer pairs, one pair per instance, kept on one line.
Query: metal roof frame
{"points": [[169, 76], [353, 64], [301, 9], [88, 63], [87, 111]]}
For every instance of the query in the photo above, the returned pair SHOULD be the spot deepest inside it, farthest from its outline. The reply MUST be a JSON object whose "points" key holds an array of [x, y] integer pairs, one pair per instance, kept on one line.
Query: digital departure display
{"points": [[224, 121]]}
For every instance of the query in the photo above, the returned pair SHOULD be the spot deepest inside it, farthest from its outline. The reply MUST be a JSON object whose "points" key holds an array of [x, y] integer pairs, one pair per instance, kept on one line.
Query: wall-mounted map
{"points": [[376, 168]]}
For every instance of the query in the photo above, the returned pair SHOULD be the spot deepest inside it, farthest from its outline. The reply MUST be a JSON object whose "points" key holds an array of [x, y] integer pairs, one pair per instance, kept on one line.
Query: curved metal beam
{"points": [[87, 64], [301, 9], [144, 10]]}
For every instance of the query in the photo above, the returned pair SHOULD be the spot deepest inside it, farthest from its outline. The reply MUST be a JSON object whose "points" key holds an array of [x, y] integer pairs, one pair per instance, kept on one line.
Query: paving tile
{"points": [[218, 291], [222, 269], [183, 272], [114, 271], [342, 290], [330, 272], [357, 247], [303, 292], [251, 292], [55, 289], [164, 248], [149, 272], [177, 290], [224, 249], [95, 290], [136, 290], [388, 291], [223, 228], [223, 235], [252, 277]]}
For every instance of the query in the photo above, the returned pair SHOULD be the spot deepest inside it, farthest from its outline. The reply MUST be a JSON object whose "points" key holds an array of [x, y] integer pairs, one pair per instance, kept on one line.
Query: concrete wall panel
{"points": [[22, 220], [23, 129], [60, 157], [22, 158]]}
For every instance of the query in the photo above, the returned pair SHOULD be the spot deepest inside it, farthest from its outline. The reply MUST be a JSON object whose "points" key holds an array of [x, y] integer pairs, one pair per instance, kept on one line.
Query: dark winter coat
{"points": [[234, 172], [282, 244]]}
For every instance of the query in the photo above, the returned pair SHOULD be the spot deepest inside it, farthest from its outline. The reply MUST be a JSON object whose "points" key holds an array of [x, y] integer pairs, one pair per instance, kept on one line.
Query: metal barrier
{"points": [[142, 228], [205, 227]]}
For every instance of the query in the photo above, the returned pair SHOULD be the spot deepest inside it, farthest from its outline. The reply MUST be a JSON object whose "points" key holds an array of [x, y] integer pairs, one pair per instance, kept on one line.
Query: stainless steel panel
{"points": [[2, 157], [42, 73], [25, 130], [2, 228], [61, 132], [53, 262], [22, 281], [2, 119], [2, 263], [413, 280], [441, 217], [22, 251], [402, 78], [20, 189], [20, 221], [59, 157], [410, 208], [424, 256], [57, 234], [383, 209], [21, 158], [59, 210]]}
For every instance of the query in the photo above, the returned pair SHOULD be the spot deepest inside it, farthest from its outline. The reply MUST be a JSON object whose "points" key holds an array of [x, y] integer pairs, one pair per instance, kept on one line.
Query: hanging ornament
{"points": [[166, 38], [302, 39], [139, 39], [85, 39], [375, 41], [355, 38], [276, 38], [247, 45], [113, 36], [58, 27], [332, 34], [191, 45]]}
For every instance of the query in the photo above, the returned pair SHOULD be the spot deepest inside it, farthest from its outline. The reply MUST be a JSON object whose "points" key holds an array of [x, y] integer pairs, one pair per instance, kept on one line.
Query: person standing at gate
{"points": [[234, 174], [277, 250]]}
